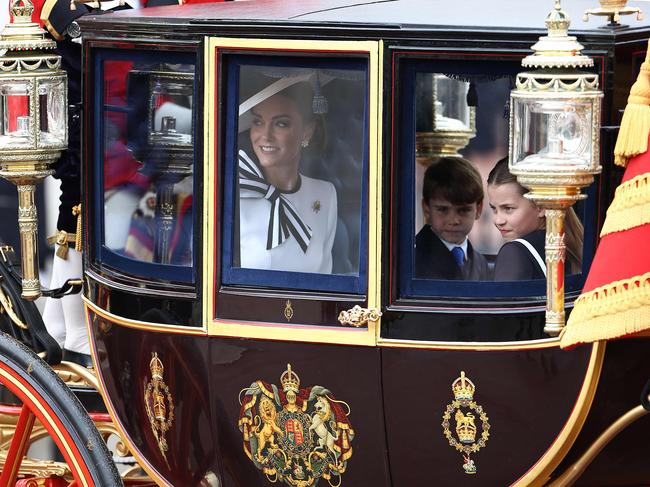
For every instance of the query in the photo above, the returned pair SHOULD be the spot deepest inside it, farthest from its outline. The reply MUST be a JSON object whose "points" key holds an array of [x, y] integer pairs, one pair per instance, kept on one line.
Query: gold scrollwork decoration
{"points": [[288, 310], [464, 411], [528, 82], [358, 316], [7, 307], [159, 404]]}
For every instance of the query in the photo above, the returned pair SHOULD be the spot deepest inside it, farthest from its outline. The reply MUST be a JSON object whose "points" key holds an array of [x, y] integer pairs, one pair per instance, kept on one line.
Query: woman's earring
{"points": [[305, 143]]}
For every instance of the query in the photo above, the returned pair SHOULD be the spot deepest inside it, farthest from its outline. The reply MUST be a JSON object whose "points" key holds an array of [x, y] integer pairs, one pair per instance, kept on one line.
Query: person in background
{"points": [[452, 200], [522, 225], [64, 318]]}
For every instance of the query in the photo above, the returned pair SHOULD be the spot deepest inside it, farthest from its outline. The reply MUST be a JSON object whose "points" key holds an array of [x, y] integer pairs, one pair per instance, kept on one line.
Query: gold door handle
{"points": [[358, 316]]}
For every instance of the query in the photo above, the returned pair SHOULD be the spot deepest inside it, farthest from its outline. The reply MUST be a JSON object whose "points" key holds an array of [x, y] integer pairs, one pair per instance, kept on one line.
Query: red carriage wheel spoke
{"points": [[18, 447]]}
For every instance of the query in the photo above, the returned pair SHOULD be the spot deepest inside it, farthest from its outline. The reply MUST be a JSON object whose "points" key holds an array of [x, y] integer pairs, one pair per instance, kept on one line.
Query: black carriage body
{"points": [[180, 348]]}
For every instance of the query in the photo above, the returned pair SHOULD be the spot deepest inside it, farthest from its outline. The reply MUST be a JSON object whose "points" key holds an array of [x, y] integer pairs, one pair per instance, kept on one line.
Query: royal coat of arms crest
{"points": [[295, 435], [469, 417]]}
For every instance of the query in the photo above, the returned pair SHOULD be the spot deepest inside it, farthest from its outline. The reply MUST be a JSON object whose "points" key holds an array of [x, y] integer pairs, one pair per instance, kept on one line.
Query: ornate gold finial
{"points": [[557, 21], [22, 11], [290, 380], [613, 9], [557, 49], [21, 34]]}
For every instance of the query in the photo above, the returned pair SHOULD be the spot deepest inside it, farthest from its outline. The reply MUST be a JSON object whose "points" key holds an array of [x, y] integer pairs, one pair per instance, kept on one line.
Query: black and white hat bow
{"points": [[284, 219]]}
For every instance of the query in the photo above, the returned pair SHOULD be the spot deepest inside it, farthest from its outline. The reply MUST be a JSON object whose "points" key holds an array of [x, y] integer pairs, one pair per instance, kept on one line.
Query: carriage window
{"points": [[146, 162], [466, 229], [295, 162]]}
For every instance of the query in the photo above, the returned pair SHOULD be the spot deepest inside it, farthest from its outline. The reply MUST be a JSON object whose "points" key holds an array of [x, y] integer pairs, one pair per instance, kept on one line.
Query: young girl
{"points": [[522, 225]]}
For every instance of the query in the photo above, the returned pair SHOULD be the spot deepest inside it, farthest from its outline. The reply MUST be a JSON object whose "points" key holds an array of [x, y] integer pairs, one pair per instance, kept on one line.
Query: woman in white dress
{"points": [[287, 221]]}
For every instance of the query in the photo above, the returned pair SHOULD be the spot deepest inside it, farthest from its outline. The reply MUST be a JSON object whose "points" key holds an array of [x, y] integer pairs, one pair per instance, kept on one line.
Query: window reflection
{"points": [[463, 230], [148, 161], [299, 157]]}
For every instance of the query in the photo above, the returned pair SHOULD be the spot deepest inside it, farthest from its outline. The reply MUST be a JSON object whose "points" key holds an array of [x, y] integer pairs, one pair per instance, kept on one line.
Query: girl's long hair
{"points": [[574, 230]]}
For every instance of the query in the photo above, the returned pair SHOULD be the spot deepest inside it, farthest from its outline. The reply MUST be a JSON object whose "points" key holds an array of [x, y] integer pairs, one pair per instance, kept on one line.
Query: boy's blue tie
{"points": [[459, 256]]}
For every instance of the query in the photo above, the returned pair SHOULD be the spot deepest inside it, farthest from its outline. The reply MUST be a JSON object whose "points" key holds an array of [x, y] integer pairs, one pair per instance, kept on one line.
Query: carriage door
{"points": [[473, 388], [290, 294]]}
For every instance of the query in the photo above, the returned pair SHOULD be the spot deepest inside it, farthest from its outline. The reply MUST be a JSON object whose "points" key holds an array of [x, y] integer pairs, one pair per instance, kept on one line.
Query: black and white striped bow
{"points": [[284, 219]]}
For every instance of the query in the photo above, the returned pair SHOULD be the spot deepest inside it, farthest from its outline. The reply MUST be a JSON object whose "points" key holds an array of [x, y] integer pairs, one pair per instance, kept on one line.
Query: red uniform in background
{"points": [[64, 318]]}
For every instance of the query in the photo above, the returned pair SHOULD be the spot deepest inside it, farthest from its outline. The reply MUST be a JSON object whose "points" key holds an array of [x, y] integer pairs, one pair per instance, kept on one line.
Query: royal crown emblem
{"points": [[159, 404], [295, 436], [463, 411]]}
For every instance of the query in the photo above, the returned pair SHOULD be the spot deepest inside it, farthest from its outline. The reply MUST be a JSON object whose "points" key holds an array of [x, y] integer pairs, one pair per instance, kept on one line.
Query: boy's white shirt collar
{"points": [[452, 245]]}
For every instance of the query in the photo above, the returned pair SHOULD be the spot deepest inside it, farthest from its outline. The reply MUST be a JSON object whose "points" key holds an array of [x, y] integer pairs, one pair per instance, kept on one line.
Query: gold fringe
{"points": [[76, 211], [631, 206], [611, 311], [633, 135]]}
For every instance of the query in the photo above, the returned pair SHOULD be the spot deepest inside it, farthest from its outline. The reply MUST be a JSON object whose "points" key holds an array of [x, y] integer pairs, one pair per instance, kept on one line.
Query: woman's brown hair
{"points": [[302, 95]]}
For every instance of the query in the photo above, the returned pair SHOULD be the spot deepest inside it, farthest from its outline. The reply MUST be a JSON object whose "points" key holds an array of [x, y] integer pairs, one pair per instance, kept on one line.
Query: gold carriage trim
{"points": [[611, 311], [631, 206], [632, 137]]}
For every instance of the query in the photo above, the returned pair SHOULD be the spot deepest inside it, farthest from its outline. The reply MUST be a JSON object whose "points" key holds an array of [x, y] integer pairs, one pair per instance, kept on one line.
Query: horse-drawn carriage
{"points": [[222, 365]]}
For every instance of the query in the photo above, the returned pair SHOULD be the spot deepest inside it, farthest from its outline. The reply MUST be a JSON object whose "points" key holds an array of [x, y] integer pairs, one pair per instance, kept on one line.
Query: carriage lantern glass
{"points": [[171, 148], [33, 122], [451, 120], [554, 140], [168, 153]]}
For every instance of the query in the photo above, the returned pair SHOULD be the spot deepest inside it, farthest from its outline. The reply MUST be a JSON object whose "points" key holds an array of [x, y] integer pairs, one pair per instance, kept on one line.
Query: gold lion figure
{"points": [[465, 427], [265, 432]]}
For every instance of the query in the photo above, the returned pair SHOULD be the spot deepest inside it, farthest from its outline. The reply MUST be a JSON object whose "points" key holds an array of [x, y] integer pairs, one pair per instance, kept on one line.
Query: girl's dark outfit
{"points": [[515, 262]]}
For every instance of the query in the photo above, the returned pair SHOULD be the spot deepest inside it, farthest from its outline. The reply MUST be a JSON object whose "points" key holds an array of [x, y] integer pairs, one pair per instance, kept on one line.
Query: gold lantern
{"points": [[453, 122], [554, 140], [613, 9], [171, 153], [167, 150], [33, 123]]}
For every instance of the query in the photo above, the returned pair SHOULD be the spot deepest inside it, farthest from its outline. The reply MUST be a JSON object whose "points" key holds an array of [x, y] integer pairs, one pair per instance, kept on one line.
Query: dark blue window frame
{"points": [[302, 281], [147, 270], [412, 287]]}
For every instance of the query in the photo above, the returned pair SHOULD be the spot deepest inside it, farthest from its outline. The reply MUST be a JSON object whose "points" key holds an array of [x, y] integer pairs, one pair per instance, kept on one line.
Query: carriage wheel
{"points": [[46, 398]]}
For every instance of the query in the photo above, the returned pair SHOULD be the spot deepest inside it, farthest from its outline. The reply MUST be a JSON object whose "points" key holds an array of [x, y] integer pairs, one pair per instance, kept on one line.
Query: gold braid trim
{"points": [[630, 207], [62, 238], [635, 125], [76, 211], [45, 18], [617, 309]]}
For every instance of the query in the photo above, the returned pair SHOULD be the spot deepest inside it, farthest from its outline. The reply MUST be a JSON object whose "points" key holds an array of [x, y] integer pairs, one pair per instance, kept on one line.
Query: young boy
{"points": [[452, 200]]}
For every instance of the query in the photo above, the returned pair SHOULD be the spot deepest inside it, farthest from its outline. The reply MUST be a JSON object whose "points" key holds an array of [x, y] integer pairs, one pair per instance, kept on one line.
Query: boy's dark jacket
{"points": [[434, 261]]}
